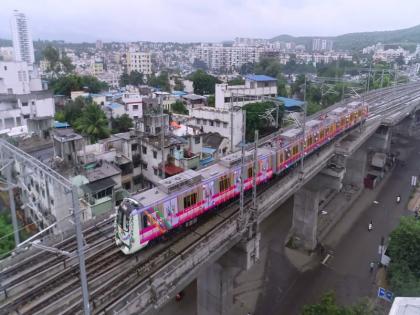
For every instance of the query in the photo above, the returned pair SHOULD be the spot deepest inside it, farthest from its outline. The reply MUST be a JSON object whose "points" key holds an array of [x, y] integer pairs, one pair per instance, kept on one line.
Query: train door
{"points": [[170, 209], [208, 193]]}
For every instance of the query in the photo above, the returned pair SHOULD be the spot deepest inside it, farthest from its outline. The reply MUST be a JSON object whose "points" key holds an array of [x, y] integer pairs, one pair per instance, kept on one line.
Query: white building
{"points": [[139, 61], [133, 105], [6, 53], [322, 44], [18, 78], [221, 120], [255, 88], [21, 96], [22, 41]]}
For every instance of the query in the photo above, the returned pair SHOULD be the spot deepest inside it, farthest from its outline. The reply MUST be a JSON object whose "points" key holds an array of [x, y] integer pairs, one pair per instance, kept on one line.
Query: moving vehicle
{"points": [[179, 200]]}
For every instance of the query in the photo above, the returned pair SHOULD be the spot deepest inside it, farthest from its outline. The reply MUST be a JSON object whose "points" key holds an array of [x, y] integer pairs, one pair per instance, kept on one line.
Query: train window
{"points": [[145, 222], [281, 157], [250, 172], [190, 200], [295, 150], [321, 134], [224, 183]]}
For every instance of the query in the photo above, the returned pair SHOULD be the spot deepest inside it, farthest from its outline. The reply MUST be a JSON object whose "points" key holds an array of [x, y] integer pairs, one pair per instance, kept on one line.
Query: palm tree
{"points": [[93, 123]]}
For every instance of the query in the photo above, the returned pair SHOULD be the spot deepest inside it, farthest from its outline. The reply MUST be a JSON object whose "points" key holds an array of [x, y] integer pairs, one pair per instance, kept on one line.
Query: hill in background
{"points": [[357, 41]]}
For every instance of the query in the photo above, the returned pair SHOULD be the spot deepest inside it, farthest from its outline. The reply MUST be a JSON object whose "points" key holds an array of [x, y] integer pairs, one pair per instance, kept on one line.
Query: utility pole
{"points": [[241, 197], [12, 203], [231, 121], [80, 249], [277, 116], [162, 139], [255, 172], [303, 128]]}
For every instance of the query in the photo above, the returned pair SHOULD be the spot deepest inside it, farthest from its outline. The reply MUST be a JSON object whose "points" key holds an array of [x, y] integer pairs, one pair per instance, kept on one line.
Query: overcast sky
{"points": [[205, 20]]}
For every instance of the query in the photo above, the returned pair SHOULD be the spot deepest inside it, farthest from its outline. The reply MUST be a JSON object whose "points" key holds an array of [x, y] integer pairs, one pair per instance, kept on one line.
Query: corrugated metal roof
{"points": [[290, 102], [259, 77]]}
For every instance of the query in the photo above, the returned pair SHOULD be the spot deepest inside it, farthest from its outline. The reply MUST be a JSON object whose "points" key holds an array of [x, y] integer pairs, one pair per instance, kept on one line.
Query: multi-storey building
{"points": [[22, 41], [322, 44], [255, 88], [21, 95], [139, 61]]}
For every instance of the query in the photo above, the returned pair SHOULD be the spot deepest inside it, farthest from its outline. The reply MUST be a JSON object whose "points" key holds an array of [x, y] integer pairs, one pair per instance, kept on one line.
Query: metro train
{"points": [[179, 200]]}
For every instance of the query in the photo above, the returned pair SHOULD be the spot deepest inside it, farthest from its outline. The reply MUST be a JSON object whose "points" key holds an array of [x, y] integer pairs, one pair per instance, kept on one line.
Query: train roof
{"points": [[313, 123], [354, 104], [212, 170], [338, 111], [149, 197], [291, 133]]}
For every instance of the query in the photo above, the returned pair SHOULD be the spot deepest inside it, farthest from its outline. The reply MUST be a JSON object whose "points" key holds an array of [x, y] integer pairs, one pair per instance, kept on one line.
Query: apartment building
{"points": [[322, 44], [21, 95], [139, 61], [255, 88], [22, 41]]}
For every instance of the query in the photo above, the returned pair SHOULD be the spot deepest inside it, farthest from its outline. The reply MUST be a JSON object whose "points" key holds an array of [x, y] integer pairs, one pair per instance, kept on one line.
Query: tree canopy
{"points": [[161, 81], [329, 306], [179, 108], [7, 243], [404, 250], [92, 123], [203, 83], [261, 116], [57, 64], [122, 123], [66, 84], [133, 78]]}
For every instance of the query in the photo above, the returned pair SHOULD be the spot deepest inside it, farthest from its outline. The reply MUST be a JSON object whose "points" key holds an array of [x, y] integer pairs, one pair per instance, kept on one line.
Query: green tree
{"points": [[179, 85], [236, 81], [92, 123], [122, 123], [203, 83], [52, 56], [268, 66], [161, 81], [72, 82], [179, 108], [73, 109], [136, 78], [7, 243], [329, 306], [66, 64], [404, 250], [124, 79], [60, 116], [247, 68], [211, 101], [257, 118]]}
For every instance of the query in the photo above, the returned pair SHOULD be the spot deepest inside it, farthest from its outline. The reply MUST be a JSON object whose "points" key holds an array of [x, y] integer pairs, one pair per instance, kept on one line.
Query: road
{"points": [[348, 273]]}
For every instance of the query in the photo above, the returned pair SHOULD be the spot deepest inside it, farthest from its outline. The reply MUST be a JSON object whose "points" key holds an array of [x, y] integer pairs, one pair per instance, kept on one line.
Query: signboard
{"points": [[385, 294]]}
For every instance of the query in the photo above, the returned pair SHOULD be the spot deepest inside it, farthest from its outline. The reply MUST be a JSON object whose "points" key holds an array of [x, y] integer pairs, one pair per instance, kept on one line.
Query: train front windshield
{"points": [[123, 216]]}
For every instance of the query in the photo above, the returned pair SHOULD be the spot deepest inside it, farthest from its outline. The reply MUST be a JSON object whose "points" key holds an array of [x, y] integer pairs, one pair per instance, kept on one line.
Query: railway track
{"points": [[45, 283]]}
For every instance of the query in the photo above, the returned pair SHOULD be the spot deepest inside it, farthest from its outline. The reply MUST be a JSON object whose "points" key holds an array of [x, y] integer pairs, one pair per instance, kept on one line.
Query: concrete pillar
{"points": [[356, 168], [306, 206], [381, 140], [305, 218], [215, 284]]}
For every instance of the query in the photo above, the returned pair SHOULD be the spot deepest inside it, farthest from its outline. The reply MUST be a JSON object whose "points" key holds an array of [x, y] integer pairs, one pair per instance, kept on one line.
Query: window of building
{"points": [[190, 200], [224, 183], [26, 116], [5, 68], [155, 154], [33, 102], [135, 107], [24, 104], [134, 146], [52, 202], [225, 125], [211, 123], [198, 121], [197, 140], [155, 171], [204, 122], [144, 149], [217, 124]]}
